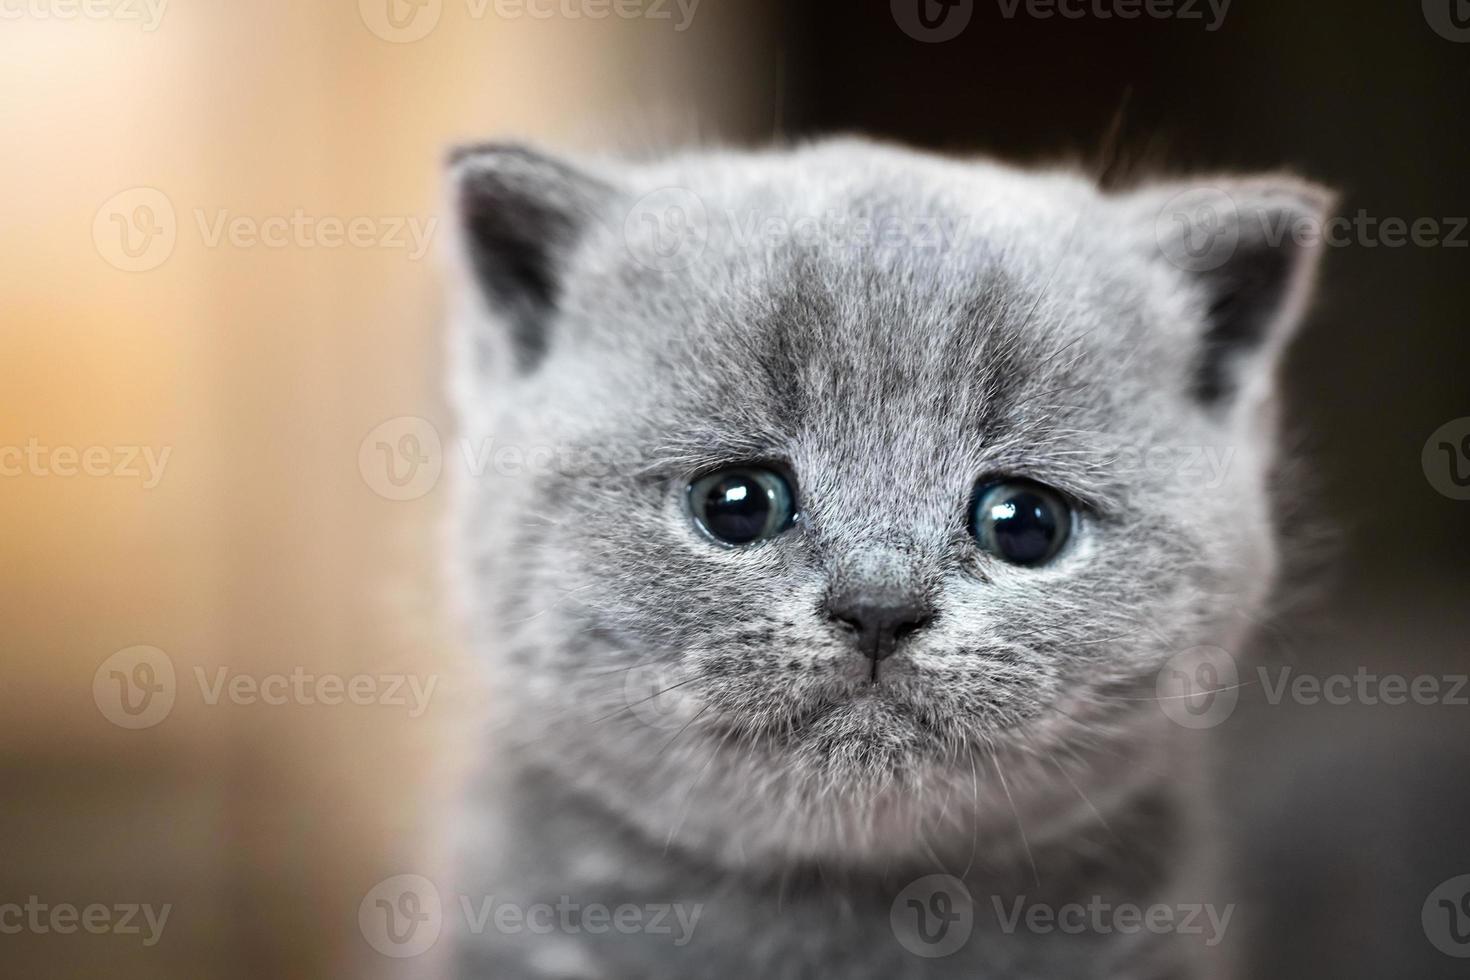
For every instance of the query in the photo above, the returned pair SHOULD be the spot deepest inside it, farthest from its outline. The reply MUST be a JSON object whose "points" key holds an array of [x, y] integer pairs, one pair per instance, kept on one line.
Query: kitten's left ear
{"points": [[1251, 248], [519, 214]]}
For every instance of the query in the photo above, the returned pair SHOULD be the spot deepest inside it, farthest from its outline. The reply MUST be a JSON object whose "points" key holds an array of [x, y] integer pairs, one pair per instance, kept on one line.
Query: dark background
{"points": [[1341, 819], [1364, 97]]}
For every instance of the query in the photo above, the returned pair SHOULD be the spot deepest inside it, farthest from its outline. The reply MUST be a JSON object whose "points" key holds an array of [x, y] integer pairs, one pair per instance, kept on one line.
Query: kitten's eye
{"points": [[741, 506], [1021, 522]]}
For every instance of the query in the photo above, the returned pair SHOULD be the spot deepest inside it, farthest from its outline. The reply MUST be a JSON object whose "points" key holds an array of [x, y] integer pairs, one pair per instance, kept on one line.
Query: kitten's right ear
{"points": [[1247, 249], [519, 215]]}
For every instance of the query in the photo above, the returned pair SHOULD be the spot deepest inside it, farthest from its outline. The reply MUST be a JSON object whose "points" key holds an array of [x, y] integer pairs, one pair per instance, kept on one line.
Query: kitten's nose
{"points": [[881, 617]]}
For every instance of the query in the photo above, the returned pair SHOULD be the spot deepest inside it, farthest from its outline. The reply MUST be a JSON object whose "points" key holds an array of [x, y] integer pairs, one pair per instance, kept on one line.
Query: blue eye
{"points": [[1021, 522], [743, 505]]}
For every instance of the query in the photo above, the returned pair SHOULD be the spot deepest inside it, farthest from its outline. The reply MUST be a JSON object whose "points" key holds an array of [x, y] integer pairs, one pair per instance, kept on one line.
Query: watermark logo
{"points": [[135, 688], [1199, 687], [667, 229], [401, 21], [1450, 19], [404, 916], [932, 21], [135, 230], [402, 458], [1446, 459], [1446, 917], [1198, 229], [933, 917], [661, 695], [401, 916], [1201, 228]]}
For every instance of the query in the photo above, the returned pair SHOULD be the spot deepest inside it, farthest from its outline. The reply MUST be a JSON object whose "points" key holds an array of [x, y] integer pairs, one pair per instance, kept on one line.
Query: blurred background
{"points": [[221, 318]]}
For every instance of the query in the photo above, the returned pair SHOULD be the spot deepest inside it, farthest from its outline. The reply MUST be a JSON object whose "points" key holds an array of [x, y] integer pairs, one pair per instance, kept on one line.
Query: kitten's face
{"points": [[1004, 328]]}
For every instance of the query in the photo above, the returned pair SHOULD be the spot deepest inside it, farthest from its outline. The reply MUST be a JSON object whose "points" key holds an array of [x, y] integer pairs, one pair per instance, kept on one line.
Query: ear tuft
{"points": [[1251, 248], [520, 215]]}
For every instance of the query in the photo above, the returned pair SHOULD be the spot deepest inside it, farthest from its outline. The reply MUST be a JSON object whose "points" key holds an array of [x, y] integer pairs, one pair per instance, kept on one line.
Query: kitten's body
{"points": [[807, 921], [1005, 324]]}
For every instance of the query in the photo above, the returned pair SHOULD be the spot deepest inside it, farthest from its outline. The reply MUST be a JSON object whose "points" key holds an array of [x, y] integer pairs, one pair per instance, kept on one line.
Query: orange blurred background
{"points": [[257, 357]]}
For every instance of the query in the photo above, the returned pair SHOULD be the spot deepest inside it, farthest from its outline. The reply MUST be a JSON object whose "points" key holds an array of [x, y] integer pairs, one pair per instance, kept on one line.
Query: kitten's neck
{"points": [[1116, 840], [558, 845]]}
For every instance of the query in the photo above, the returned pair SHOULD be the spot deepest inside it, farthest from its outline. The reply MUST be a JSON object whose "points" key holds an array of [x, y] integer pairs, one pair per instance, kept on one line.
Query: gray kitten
{"points": [[863, 503]]}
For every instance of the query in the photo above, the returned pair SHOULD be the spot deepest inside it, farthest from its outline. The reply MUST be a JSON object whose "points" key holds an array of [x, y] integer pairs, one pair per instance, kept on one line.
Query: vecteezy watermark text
{"points": [[407, 21], [1200, 687], [137, 687], [300, 229], [1211, 12], [566, 917], [136, 230], [1098, 916], [936, 21], [403, 458], [403, 917], [304, 687], [1364, 687], [146, 13], [1202, 227], [119, 462], [64, 918], [669, 228], [934, 917]]}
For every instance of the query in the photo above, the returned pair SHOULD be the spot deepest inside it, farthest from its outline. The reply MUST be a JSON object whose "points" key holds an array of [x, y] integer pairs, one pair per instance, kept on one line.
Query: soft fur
{"points": [[1015, 324]]}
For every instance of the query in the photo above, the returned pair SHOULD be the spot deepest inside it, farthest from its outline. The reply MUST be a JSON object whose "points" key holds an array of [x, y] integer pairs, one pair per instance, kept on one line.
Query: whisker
{"points": [[1026, 844]]}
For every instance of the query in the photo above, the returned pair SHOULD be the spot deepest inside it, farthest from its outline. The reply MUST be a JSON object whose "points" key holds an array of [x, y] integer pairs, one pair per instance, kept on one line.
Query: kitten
{"points": [[861, 500]]}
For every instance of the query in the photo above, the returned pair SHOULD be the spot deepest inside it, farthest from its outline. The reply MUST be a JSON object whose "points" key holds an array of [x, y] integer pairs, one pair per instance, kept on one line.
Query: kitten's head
{"points": [[904, 476]]}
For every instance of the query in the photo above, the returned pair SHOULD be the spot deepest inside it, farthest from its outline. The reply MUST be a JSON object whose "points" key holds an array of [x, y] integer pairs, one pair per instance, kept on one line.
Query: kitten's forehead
{"points": [[941, 311], [877, 254], [925, 324]]}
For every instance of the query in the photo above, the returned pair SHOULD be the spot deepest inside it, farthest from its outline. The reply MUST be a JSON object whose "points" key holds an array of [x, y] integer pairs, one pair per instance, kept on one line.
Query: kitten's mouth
{"points": [[862, 711], [875, 700]]}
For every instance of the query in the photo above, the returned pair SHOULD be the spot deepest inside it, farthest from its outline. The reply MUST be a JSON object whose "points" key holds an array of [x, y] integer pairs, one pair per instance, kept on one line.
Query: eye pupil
{"points": [[736, 509], [741, 506], [1022, 523]]}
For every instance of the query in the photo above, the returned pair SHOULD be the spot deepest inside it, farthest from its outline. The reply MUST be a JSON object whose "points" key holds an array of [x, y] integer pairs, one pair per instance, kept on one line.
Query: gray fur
{"points": [[1015, 743]]}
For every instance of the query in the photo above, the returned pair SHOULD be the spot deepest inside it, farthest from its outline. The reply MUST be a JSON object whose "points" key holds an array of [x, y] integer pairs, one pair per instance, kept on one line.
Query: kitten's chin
{"points": [[875, 725], [869, 786], [865, 781], [882, 774]]}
